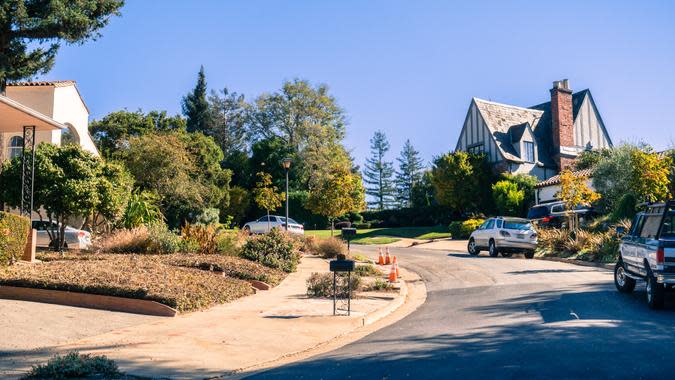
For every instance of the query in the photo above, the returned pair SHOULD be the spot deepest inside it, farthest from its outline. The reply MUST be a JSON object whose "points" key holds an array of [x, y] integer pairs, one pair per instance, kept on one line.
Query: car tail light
{"points": [[660, 255], [81, 234], [546, 219], [504, 233]]}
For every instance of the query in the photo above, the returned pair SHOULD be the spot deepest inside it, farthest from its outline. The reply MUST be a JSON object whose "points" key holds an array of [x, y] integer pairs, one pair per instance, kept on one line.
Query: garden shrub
{"points": [[307, 243], [367, 270], [626, 208], [362, 226], [76, 366], [199, 238], [321, 285], [229, 243], [582, 244], [13, 237], [274, 249], [341, 225], [208, 216], [134, 240], [330, 248], [162, 240], [380, 285], [463, 229]]}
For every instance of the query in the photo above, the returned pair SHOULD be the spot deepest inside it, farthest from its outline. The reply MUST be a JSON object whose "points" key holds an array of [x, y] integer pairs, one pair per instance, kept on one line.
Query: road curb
{"points": [[582, 263], [391, 307]]}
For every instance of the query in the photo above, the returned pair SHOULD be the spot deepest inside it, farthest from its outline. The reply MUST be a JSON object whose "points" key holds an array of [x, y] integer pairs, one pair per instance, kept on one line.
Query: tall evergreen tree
{"points": [[227, 121], [196, 106], [378, 173], [31, 30], [409, 173]]}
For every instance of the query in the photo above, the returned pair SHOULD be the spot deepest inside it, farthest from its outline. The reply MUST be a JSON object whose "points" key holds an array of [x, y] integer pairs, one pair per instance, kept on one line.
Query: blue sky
{"points": [[408, 68]]}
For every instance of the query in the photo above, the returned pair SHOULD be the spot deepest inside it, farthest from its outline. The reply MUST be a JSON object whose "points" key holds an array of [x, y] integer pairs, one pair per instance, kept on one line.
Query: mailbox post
{"points": [[342, 265], [348, 233]]}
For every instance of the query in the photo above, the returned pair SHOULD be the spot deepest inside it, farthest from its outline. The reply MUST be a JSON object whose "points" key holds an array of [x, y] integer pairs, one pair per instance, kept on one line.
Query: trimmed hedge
{"points": [[410, 217], [13, 237], [462, 230]]}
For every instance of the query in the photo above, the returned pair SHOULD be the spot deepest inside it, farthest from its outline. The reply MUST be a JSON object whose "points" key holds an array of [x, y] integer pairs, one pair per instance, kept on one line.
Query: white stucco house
{"points": [[548, 190], [57, 103]]}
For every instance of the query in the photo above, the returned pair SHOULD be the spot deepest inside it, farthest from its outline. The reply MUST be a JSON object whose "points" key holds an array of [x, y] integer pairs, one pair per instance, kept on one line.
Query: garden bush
{"points": [[199, 238], [367, 270], [330, 248], [626, 208], [161, 239], [581, 244], [154, 239], [307, 243], [410, 217], [13, 237], [341, 225], [362, 226], [208, 216], [463, 229], [380, 285], [76, 366], [229, 243], [274, 249], [321, 285]]}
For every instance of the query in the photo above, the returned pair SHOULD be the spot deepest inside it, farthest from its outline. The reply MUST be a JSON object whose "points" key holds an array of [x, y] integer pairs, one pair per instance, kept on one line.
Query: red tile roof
{"points": [[54, 83], [555, 180]]}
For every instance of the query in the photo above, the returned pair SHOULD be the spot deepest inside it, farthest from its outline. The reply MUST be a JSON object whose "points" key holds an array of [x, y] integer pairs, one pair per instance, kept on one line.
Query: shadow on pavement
{"points": [[593, 333]]}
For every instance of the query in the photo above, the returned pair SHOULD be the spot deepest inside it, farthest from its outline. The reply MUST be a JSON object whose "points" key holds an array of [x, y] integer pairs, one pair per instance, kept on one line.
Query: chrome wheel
{"points": [[621, 277]]}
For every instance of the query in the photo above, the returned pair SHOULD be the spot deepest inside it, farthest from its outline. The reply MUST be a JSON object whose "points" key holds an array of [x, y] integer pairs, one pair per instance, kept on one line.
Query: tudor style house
{"points": [[539, 140], [57, 103]]}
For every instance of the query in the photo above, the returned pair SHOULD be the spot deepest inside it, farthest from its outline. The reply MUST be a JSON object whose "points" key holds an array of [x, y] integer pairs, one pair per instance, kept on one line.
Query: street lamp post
{"points": [[286, 163]]}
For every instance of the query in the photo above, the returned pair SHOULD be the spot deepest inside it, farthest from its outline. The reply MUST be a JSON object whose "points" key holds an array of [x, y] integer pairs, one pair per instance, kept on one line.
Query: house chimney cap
{"points": [[563, 84]]}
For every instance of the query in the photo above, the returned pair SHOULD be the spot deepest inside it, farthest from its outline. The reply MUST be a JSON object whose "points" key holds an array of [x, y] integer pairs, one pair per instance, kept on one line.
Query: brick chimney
{"points": [[562, 122]]}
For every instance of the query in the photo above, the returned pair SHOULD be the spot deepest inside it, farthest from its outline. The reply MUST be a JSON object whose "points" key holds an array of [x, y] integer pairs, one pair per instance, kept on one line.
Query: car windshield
{"points": [[537, 212], [668, 229], [516, 225], [290, 220]]}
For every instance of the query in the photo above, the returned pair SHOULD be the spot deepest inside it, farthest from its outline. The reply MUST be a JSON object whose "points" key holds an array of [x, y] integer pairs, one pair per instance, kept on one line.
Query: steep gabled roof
{"points": [[500, 118], [543, 132]]}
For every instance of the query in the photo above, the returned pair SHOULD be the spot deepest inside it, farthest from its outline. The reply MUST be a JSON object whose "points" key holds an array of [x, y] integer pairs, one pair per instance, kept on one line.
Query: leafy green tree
{"points": [[296, 112], [462, 181], [238, 206], [69, 182], [423, 191], [508, 198], [575, 192], [410, 167], [266, 195], [524, 183], [113, 131], [196, 106], [589, 159], [183, 169], [637, 170], [114, 189], [266, 155], [227, 121], [336, 194], [378, 173], [31, 32]]}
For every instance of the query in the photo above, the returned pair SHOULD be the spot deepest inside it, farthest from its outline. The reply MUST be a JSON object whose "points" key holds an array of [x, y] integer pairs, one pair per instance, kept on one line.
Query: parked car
{"points": [[553, 214], [74, 238], [267, 223], [647, 252], [504, 235]]}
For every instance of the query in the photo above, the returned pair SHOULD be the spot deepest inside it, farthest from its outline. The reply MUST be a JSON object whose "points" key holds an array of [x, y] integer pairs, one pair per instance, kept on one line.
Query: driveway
{"points": [[507, 319]]}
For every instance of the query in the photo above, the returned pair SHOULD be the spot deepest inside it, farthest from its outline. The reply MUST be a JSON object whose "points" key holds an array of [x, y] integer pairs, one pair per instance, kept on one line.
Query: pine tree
{"points": [[31, 32], [409, 173], [378, 173], [196, 106]]}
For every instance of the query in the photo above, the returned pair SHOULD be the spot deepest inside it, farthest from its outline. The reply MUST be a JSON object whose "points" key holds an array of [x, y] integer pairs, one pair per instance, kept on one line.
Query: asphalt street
{"points": [[499, 318]]}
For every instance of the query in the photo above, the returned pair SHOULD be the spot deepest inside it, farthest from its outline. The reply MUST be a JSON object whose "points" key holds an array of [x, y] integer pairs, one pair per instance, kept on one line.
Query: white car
{"points": [[504, 235], [267, 223], [75, 239]]}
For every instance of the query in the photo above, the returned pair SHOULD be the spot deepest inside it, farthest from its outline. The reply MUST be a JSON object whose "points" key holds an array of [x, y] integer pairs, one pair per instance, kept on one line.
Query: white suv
{"points": [[268, 223], [504, 235]]}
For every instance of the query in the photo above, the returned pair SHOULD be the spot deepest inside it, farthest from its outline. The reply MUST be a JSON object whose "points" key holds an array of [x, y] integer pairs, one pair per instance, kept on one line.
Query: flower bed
{"points": [[178, 281]]}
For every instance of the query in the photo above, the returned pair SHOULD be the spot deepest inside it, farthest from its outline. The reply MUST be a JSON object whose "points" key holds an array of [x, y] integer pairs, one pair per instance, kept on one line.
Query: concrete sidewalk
{"points": [[248, 332]]}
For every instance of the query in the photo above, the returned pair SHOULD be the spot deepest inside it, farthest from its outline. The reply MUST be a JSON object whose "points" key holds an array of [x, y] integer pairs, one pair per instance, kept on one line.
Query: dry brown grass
{"points": [[330, 248], [179, 281]]}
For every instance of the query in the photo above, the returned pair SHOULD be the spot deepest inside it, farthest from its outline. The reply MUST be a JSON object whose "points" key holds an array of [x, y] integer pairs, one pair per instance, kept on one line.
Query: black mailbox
{"points": [[348, 232], [342, 265]]}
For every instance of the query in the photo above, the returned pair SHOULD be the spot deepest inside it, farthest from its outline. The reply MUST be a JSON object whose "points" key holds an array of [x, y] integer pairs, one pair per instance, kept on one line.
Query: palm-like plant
{"points": [[142, 209]]}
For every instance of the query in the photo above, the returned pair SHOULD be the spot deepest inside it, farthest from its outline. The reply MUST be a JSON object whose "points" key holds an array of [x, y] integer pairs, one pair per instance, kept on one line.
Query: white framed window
{"points": [[15, 147], [529, 151]]}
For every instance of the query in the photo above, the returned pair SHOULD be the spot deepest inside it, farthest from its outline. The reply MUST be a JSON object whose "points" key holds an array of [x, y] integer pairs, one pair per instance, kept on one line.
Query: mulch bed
{"points": [[184, 282]]}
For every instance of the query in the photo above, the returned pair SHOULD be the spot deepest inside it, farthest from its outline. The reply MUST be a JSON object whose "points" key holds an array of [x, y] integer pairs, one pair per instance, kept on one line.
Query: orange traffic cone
{"points": [[387, 258], [394, 260], [392, 274], [380, 260], [396, 266]]}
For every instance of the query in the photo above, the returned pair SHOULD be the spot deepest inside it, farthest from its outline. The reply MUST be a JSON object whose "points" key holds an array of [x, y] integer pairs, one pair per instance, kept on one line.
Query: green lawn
{"points": [[423, 233], [375, 240]]}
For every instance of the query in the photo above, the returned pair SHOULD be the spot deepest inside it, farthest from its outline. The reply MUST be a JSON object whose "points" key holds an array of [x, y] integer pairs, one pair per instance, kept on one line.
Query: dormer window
{"points": [[528, 151]]}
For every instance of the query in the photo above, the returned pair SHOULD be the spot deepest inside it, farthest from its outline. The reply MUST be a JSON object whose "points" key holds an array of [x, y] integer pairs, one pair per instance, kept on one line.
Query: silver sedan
{"points": [[504, 235]]}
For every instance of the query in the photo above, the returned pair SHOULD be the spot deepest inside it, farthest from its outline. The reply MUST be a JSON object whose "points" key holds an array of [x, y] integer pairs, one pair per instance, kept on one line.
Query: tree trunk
{"points": [[332, 226]]}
